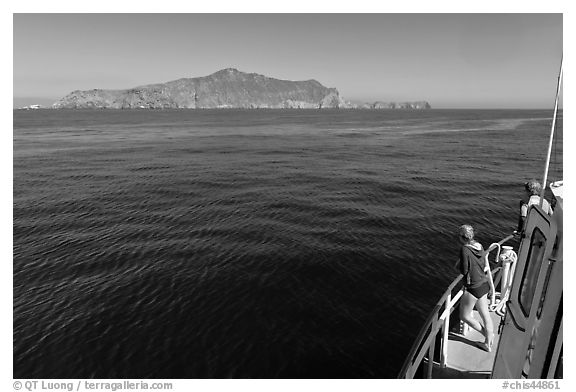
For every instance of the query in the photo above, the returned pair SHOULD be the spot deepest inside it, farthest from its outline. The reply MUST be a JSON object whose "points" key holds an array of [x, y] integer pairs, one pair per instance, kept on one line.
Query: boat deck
{"points": [[465, 358]]}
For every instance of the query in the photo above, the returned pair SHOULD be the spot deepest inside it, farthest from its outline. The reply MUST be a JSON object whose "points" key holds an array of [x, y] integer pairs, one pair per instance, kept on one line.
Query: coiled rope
{"points": [[508, 260]]}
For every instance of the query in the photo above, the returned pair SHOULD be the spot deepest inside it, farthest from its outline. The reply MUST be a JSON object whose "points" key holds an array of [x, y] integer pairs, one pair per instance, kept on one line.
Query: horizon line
{"points": [[305, 109]]}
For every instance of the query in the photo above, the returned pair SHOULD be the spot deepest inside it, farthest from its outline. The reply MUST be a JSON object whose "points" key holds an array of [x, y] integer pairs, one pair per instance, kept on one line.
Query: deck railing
{"points": [[439, 321]]}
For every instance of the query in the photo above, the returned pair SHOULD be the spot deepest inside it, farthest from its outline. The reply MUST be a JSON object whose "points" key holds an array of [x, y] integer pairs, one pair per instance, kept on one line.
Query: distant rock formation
{"points": [[401, 105], [417, 105], [31, 107], [228, 88], [42, 102]]}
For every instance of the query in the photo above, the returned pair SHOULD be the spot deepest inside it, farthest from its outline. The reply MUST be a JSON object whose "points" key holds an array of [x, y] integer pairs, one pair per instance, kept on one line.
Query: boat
{"points": [[525, 304]]}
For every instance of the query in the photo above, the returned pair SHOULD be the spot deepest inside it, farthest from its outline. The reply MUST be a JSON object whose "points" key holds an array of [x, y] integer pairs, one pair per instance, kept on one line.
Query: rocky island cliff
{"points": [[228, 88]]}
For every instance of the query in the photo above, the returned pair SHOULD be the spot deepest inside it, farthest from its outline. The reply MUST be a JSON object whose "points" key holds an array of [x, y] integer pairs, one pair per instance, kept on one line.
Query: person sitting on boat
{"points": [[476, 285], [533, 190]]}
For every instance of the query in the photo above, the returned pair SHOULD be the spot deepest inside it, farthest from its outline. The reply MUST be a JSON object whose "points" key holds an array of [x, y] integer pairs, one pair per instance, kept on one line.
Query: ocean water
{"points": [[250, 244]]}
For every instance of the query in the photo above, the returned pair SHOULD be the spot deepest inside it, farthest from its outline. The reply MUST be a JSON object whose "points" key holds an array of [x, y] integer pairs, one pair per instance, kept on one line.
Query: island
{"points": [[227, 88]]}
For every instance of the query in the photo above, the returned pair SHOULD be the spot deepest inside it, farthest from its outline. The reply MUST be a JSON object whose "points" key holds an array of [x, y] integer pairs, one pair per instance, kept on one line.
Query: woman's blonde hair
{"points": [[466, 232]]}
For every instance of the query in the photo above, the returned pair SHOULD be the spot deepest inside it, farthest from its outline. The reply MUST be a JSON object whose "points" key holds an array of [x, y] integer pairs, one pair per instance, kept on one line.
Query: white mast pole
{"points": [[551, 137]]}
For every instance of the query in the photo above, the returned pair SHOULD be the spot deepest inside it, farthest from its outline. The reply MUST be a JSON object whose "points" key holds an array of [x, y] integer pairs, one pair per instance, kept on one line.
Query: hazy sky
{"points": [[450, 60]]}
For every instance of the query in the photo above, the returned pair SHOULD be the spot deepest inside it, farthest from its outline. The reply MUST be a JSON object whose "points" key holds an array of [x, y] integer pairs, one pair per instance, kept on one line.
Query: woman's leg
{"points": [[466, 307], [482, 307]]}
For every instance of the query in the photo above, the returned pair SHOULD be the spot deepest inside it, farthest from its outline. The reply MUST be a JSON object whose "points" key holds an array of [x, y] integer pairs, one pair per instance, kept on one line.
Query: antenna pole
{"points": [[551, 136]]}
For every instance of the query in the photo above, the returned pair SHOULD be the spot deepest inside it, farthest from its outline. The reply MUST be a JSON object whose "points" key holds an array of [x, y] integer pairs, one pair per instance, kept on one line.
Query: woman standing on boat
{"points": [[476, 285]]}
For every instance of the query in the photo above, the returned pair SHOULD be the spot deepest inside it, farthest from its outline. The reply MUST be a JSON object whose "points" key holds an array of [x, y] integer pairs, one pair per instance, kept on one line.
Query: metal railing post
{"points": [[445, 330], [430, 359]]}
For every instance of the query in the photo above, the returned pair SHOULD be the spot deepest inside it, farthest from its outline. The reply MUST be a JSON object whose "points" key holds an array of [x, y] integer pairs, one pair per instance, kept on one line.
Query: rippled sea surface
{"points": [[260, 244]]}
